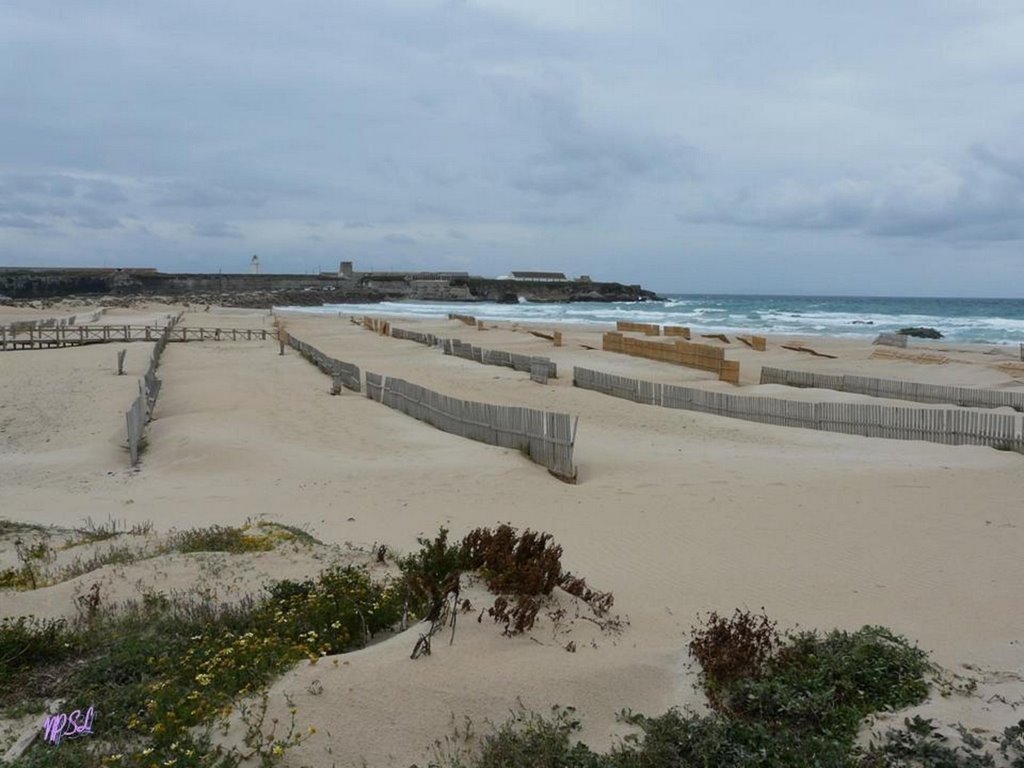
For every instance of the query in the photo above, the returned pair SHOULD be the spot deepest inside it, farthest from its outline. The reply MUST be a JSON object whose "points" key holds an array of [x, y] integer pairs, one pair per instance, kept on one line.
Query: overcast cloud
{"points": [[777, 146]]}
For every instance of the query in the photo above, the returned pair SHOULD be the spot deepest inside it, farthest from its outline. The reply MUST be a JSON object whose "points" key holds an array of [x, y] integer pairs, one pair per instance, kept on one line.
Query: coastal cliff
{"points": [[264, 290]]}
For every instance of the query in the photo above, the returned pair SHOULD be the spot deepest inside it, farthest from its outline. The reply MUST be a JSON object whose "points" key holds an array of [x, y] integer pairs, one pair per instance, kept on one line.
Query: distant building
{"points": [[551, 277], [345, 270], [254, 264]]}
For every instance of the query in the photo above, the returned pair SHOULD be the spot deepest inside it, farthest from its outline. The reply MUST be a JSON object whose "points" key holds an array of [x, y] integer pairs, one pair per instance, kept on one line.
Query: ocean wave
{"points": [[990, 321]]}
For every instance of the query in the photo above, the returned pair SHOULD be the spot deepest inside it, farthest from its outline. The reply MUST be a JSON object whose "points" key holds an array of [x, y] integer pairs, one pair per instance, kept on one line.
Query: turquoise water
{"points": [[993, 321]]}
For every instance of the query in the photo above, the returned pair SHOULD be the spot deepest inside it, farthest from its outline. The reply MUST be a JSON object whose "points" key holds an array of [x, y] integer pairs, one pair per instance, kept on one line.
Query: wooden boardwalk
{"points": [[80, 335]]}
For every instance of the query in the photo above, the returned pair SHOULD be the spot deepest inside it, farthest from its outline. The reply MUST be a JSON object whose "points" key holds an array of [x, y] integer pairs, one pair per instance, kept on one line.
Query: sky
{"points": [[765, 146]]}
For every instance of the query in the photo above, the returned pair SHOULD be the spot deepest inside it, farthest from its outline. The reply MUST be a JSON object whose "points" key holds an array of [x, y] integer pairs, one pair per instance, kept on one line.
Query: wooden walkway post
{"points": [[120, 362]]}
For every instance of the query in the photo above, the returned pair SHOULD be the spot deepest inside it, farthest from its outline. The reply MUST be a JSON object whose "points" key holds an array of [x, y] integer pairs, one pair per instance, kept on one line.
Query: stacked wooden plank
{"points": [[677, 330], [649, 329], [704, 357]]}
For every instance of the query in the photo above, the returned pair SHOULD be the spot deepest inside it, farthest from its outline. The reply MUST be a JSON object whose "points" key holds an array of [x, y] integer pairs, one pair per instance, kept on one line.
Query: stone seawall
{"points": [[268, 289]]}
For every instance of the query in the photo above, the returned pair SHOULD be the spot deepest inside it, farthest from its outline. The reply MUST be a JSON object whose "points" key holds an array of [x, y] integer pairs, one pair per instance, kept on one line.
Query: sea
{"points": [[989, 321]]}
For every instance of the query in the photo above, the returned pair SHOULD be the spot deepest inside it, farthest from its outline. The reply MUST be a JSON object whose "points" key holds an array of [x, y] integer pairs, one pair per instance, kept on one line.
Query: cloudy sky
{"points": [[802, 146]]}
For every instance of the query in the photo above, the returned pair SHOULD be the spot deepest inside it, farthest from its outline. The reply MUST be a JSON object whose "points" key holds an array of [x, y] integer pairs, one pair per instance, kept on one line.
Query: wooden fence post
{"points": [[120, 362]]}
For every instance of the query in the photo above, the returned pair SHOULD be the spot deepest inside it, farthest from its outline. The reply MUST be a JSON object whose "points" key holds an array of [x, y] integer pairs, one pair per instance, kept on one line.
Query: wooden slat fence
{"points": [[949, 426], [348, 373], [546, 438], [457, 348], [21, 326], [140, 412], [377, 325], [897, 389]]}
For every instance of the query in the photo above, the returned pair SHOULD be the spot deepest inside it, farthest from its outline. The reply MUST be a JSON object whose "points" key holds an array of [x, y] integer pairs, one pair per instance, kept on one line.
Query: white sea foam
{"points": [[957, 319]]}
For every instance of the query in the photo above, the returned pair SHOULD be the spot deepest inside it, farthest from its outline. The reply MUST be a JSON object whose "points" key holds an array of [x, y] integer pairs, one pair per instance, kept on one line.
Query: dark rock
{"points": [[921, 333]]}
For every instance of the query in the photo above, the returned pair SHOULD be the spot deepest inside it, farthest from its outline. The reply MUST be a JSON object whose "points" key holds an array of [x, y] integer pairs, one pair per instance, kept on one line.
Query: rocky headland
{"points": [[20, 284]]}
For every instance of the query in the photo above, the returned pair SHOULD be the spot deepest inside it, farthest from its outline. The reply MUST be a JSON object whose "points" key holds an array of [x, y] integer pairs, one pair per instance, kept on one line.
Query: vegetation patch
{"points": [[778, 701], [521, 569], [259, 537], [37, 555], [163, 671]]}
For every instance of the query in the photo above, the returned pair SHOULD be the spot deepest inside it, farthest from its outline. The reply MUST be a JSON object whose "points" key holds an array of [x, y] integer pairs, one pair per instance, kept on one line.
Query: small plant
{"points": [[432, 574], [920, 744], [92, 532], [33, 556], [8, 527], [521, 569], [217, 538], [730, 649], [88, 604], [115, 555]]}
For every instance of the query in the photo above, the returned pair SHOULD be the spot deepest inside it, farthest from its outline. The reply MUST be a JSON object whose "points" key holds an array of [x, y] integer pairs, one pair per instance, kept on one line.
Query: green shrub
{"points": [[531, 741], [919, 744], [796, 702], [431, 574], [720, 741], [829, 684]]}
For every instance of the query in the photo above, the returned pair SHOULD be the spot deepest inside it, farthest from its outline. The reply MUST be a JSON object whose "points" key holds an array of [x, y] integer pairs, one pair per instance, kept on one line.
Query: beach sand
{"points": [[676, 513]]}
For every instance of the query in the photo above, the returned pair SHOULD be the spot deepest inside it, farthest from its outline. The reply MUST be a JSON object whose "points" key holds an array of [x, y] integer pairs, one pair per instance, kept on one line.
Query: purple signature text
{"points": [[62, 726]]}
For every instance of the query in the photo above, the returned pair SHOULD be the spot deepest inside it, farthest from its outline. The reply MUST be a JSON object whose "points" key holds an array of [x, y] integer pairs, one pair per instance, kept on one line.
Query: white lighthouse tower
{"points": [[254, 264]]}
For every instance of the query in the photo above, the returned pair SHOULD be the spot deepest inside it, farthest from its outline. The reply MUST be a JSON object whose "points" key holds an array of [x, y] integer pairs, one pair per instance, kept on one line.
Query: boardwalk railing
{"points": [[949, 426], [73, 336], [525, 363], [897, 389], [348, 373], [140, 412], [546, 438]]}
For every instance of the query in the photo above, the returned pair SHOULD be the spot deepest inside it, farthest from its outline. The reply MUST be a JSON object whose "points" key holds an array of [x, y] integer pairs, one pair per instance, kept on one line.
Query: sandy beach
{"points": [[677, 513]]}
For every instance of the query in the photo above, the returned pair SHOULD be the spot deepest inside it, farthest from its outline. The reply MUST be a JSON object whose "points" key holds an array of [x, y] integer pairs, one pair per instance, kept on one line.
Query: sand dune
{"points": [[675, 512]]}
